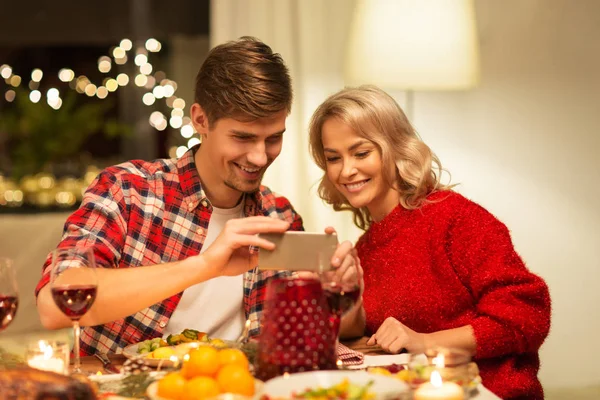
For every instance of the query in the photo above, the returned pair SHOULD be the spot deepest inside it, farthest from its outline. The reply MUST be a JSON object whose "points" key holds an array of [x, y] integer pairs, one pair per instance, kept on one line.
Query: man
{"points": [[168, 234]]}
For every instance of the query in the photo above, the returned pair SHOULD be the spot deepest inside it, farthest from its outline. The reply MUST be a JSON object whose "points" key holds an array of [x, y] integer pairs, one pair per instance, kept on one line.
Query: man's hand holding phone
{"points": [[229, 254]]}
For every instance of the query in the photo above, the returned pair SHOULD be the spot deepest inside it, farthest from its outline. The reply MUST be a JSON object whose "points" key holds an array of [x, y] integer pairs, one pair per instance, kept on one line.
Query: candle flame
{"points": [[46, 348], [436, 379], [174, 360]]}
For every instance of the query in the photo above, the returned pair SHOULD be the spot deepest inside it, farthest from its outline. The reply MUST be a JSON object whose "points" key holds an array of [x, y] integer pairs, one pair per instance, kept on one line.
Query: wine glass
{"points": [[9, 300], [341, 287], [74, 285]]}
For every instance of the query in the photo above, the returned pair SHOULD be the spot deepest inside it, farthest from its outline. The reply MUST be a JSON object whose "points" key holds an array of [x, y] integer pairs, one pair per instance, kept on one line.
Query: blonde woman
{"points": [[439, 270]]}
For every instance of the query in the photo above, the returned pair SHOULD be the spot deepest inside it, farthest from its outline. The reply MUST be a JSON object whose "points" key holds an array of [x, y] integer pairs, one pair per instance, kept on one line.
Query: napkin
{"points": [[349, 356]]}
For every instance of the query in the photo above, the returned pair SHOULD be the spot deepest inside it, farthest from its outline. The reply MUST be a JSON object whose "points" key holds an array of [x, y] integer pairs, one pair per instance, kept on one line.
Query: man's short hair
{"points": [[243, 79]]}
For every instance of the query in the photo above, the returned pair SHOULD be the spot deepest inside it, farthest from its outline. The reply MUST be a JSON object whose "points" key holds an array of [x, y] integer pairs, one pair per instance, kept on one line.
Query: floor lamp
{"points": [[413, 45]]}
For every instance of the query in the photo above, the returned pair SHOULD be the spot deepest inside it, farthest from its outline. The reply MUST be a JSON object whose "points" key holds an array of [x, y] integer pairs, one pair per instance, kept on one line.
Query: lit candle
{"points": [[47, 364], [438, 390], [45, 358]]}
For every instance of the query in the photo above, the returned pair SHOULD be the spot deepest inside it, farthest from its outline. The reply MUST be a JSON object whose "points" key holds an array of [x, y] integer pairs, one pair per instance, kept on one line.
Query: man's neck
{"points": [[219, 194]]}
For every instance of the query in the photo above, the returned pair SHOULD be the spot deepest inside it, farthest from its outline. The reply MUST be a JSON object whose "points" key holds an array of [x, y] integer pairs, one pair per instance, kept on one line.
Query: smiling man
{"points": [[172, 237]]}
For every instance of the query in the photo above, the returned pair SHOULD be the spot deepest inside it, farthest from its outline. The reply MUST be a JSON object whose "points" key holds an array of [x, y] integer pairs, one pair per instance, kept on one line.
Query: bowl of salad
{"points": [[328, 385]]}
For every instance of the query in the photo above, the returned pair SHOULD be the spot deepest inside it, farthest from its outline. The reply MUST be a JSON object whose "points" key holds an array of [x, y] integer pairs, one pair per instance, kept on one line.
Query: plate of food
{"points": [[418, 373], [159, 352], [350, 385]]}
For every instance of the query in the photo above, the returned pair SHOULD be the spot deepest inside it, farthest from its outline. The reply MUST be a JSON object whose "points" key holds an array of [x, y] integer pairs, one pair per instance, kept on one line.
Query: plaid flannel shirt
{"points": [[143, 213]]}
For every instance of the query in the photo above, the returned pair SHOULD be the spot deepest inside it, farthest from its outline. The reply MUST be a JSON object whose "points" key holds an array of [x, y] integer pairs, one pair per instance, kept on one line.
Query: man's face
{"points": [[240, 152]]}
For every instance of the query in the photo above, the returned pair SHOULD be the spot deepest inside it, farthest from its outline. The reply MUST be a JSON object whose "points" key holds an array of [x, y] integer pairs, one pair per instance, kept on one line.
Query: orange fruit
{"points": [[203, 361], [171, 386], [233, 356], [200, 387], [236, 379]]}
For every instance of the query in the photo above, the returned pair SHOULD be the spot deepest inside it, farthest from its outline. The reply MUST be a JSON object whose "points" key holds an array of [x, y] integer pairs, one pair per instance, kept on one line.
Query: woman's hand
{"points": [[393, 336], [343, 262]]}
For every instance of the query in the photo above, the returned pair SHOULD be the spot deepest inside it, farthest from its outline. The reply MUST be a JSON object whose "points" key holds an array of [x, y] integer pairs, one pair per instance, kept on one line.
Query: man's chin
{"points": [[245, 187]]}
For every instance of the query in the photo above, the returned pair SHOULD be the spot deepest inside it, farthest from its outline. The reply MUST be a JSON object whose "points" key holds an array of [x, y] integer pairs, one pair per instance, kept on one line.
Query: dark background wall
{"points": [[46, 22]]}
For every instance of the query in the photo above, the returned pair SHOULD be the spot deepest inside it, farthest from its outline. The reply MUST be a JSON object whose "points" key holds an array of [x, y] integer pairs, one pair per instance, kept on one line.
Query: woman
{"points": [[439, 270]]}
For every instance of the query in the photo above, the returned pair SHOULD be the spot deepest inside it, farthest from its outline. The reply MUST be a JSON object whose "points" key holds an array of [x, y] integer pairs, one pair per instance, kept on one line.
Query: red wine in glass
{"points": [[8, 309], [74, 287], [9, 301], [340, 302], [74, 300]]}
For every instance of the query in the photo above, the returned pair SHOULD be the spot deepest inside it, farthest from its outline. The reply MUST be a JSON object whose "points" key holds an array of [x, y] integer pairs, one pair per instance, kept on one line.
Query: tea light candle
{"points": [[438, 390], [47, 364], [49, 357]]}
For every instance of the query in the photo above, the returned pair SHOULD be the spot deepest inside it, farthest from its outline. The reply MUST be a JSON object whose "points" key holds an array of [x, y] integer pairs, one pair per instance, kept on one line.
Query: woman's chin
{"points": [[357, 204]]}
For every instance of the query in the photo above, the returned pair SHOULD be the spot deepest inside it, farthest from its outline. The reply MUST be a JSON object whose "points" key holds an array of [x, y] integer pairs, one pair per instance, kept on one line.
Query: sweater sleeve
{"points": [[512, 304]]}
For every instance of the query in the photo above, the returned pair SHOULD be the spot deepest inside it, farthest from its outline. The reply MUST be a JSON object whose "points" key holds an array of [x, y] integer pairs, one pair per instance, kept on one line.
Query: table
{"points": [[92, 365]]}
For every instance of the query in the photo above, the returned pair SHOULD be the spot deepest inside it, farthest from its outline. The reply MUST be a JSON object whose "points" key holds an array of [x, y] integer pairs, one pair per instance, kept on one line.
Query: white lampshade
{"points": [[413, 45]]}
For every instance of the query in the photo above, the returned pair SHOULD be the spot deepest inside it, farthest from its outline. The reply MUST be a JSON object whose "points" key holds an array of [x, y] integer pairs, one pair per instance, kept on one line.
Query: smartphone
{"points": [[298, 251]]}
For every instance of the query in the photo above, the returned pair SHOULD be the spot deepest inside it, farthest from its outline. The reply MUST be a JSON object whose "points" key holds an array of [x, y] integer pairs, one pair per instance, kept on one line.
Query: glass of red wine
{"points": [[74, 286], [341, 287], [9, 300]]}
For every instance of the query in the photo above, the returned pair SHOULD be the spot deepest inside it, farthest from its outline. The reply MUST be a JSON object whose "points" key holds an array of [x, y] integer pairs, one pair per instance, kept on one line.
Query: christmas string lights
{"points": [[43, 190], [158, 85]]}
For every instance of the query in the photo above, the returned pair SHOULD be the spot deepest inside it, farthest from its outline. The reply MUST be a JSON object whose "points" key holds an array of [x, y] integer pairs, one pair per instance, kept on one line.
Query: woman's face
{"points": [[354, 166]]}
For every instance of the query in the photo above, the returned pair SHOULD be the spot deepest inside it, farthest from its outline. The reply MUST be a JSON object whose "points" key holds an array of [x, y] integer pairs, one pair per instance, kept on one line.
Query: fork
{"points": [[244, 335]]}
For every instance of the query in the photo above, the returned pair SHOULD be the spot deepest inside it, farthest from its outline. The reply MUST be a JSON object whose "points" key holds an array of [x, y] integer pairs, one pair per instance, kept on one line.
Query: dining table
{"points": [[374, 355]]}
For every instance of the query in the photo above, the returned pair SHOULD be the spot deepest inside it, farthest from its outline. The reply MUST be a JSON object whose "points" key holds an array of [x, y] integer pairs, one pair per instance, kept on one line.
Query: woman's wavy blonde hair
{"points": [[375, 116]]}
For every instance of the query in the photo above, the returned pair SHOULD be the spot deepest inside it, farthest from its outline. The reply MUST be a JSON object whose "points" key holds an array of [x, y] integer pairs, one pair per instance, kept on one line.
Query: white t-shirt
{"points": [[217, 305]]}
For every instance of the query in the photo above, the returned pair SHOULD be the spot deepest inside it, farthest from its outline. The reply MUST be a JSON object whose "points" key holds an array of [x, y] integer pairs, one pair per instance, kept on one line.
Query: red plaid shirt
{"points": [[143, 213]]}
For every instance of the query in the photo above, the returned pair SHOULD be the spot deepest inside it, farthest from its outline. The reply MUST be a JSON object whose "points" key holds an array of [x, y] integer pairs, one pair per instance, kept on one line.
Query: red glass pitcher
{"points": [[296, 333]]}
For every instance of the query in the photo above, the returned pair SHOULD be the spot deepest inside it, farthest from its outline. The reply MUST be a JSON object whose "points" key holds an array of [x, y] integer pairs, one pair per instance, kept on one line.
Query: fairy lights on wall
{"points": [[158, 87]]}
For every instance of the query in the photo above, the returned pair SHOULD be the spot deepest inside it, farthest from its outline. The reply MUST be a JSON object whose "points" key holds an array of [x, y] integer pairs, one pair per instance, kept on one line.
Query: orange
{"points": [[236, 379], [233, 356], [171, 386], [200, 387], [203, 361]]}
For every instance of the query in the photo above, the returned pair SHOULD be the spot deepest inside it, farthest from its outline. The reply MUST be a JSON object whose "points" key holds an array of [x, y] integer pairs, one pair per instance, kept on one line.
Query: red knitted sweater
{"points": [[450, 264]]}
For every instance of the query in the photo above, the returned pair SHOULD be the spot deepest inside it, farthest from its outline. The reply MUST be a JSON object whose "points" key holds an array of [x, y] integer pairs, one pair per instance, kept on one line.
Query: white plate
{"points": [[284, 387], [104, 378], [131, 352], [152, 392], [384, 359]]}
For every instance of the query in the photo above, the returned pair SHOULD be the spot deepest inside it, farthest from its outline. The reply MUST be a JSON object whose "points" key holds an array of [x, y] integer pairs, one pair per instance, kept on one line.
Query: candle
{"points": [[49, 356], [47, 364], [438, 390]]}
